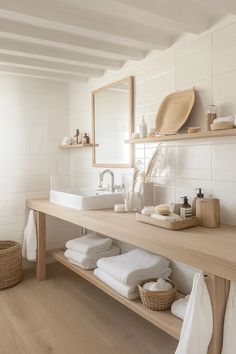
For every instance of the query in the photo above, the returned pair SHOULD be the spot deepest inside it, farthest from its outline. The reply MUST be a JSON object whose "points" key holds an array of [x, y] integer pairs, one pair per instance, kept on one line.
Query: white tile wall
{"points": [[34, 115], [207, 63]]}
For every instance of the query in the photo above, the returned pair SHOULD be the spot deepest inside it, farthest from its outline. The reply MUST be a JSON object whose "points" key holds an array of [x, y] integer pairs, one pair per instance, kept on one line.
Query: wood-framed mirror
{"points": [[113, 123]]}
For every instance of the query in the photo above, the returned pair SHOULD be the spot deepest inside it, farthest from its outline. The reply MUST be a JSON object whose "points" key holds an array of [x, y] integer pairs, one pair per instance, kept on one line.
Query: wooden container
{"points": [[170, 225], [208, 212], [10, 264], [157, 300], [192, 130], [222, 126]]}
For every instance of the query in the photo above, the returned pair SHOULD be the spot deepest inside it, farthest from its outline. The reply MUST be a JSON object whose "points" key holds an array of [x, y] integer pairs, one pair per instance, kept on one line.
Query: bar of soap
{"points": [[162, 209]]}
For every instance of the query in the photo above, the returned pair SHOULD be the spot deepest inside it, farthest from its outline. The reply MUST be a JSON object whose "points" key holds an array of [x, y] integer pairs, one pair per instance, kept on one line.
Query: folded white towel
{"points": [[197, 327], [227, 119], [124, 290], [229, 343], [134, 266], [171, 217], [29, 247], [89, 244], [159, 285], [179, 307], [89, 262]]}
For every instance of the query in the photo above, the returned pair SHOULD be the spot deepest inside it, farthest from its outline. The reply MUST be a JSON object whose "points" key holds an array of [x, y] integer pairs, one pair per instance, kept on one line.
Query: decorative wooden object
{"points": [[184, 136], [208, 212], [174, 111], [170, 225], [221, 126]]}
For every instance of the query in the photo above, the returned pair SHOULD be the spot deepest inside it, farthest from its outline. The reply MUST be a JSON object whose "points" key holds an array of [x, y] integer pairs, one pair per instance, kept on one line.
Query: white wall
{"points": [[34, 115], [206, 62]]}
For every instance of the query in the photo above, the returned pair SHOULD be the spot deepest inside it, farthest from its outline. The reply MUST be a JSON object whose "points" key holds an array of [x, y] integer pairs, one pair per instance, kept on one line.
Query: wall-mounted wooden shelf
{"points": [[162, 319], [199, 135], [76, 146]]}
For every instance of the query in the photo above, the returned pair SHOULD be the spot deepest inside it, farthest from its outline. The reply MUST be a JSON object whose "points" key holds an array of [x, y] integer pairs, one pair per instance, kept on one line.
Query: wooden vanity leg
{"points": [[218, 289], [41, 246]]}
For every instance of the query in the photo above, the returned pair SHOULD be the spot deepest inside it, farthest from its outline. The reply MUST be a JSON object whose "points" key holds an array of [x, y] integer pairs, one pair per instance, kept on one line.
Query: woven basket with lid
{"points": [[10, 264], [157, 300]]}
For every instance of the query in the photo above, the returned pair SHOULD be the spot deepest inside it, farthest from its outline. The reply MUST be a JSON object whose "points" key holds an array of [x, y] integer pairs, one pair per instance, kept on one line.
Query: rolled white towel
{"points": [[89, 262], [130, 293], [178, 308], [227, 119], [159, 285], [134, 266], [89, 244]]}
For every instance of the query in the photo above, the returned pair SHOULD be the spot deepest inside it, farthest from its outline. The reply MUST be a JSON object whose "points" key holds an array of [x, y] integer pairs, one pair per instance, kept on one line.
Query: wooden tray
{"points": [[170, 225]]}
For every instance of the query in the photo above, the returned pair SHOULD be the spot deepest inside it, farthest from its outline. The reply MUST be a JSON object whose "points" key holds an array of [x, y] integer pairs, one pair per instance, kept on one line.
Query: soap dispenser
{"points": [[186, 209], [200, 195]]}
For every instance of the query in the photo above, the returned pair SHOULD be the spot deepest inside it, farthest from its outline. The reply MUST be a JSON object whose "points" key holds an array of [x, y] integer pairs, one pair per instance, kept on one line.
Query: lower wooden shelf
{"points": [[162, 319]]}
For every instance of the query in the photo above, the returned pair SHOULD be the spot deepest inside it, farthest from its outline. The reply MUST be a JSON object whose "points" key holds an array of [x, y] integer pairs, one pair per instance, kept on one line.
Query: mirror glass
{"points": [[113, 118]]}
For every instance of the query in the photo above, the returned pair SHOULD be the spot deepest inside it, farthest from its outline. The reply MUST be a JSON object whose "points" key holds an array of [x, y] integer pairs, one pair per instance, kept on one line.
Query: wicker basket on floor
{"points": [[10, 264], [157, 300]]}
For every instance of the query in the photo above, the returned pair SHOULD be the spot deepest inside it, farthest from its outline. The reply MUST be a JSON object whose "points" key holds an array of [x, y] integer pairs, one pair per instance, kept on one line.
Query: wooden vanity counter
{"points": [[213, 250]]}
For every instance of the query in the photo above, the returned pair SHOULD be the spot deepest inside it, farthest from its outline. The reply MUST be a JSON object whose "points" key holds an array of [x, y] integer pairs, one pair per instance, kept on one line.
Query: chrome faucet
{"points": [[101, 176]]}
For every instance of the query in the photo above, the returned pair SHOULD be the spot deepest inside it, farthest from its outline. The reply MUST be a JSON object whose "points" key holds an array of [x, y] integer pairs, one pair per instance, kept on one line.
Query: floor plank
{"points": [[67, 315]]}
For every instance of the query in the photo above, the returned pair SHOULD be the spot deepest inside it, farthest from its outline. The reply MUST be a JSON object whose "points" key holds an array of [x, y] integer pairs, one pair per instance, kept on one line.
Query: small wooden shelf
{"points": [[162, 319], [76, 146], [199, 135]]}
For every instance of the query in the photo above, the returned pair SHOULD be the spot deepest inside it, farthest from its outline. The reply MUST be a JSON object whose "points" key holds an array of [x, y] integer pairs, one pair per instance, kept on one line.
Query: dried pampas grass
{"points": [[152, 166]]}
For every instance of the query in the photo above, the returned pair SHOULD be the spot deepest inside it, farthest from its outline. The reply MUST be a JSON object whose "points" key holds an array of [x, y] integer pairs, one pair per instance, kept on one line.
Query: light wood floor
{"points": [[67, 315]]}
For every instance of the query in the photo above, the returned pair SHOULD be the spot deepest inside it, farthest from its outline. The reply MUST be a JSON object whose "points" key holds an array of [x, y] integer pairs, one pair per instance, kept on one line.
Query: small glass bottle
{"points": [[210, 115], [143, 128], [85, 139], [76, 137]]}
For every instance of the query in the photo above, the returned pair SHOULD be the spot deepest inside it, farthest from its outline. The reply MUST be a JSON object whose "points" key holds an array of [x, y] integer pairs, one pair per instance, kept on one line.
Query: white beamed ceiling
{"points": [[77, 39]]}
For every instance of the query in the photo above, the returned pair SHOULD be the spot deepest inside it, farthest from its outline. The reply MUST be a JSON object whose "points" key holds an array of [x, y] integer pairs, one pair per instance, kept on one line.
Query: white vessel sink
{"points": [[86, 199]]}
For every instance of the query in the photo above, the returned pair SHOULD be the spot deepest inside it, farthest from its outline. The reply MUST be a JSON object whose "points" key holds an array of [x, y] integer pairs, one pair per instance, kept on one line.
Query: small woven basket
{"points": [[10, 264], [157, 300]]}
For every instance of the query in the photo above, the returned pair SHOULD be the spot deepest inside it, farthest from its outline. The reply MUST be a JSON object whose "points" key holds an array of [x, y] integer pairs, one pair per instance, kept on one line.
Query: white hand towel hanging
{"points": [[197, 327], [30, 239], [229, 343]]}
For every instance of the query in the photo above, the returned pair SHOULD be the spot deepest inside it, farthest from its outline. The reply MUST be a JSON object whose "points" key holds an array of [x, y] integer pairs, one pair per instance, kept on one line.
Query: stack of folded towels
{"points": [[123, 273], [85, 251]]}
